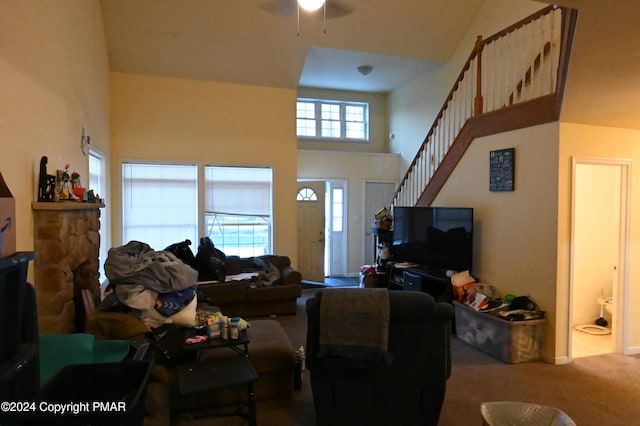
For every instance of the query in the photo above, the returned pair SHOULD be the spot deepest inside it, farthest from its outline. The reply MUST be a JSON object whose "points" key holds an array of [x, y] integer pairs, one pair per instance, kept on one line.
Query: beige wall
{"points": [[54, 82], [514, 232], [168, 119], [378, 129], [578, 140], [522, 241], [356, 169]]}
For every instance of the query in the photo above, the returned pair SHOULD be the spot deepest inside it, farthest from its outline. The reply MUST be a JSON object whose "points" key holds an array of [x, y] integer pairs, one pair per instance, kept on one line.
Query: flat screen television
{"points": [[436, 237]]}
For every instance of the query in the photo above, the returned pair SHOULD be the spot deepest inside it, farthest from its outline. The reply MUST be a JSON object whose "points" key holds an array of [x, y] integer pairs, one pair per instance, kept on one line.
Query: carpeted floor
{"points": [[600, 390]]}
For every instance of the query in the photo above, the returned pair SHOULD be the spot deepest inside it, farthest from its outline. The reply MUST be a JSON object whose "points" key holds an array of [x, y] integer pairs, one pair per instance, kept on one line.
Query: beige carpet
{"points": [[601, 390]]}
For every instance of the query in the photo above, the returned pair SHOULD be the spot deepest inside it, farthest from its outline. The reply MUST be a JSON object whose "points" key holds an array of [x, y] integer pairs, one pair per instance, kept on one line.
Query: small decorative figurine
{"points": [[46, 183]]}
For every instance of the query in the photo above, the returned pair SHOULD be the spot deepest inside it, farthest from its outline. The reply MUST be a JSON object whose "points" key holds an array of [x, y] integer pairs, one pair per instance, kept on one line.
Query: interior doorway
{"points": [[598, 282]]}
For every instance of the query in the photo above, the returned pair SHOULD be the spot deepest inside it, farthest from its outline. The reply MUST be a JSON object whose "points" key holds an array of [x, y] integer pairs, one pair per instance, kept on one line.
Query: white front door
{"points": [[311, 237]]}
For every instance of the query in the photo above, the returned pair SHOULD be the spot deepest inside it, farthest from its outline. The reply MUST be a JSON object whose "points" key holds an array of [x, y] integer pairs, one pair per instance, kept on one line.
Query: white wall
{"points": [[522, 241], [514, 232], [169, 119], [355, 168], [601, 142], [54, 81]]}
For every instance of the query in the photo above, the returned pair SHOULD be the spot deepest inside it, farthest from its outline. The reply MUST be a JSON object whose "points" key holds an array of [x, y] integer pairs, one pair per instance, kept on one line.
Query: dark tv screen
{"points": [[439, 237]]}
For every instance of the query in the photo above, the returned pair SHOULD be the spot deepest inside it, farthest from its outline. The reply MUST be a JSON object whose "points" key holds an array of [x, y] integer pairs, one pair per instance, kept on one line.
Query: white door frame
{"points": [[622, 292], [330, 253], [344, 184]]}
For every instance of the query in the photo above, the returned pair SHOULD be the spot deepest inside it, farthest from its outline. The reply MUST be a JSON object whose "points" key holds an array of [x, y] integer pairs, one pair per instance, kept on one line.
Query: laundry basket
{"points": [[511, 413]]}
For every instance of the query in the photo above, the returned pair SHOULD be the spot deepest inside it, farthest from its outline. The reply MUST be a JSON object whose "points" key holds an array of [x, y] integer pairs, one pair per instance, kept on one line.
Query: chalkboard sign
{"points": [[501, 164]]}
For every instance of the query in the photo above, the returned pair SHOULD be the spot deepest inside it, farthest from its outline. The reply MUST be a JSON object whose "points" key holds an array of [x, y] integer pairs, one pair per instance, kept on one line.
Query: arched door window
{"points": [[306, 194]]}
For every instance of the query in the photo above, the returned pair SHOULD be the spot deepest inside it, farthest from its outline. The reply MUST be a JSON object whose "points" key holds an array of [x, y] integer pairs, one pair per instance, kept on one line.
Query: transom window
{"points": [[324, 119], [306, 194]]}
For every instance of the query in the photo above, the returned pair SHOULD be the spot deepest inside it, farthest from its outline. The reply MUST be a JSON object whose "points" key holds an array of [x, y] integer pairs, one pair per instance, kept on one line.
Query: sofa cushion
{"points": [[226, 293], [115, 325], [279, 261], [263, 294], [233, 265], [290, 276], [270, 348]]}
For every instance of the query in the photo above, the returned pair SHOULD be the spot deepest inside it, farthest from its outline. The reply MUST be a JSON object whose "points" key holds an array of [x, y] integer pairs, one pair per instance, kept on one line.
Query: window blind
{"points": [[238, 190]]}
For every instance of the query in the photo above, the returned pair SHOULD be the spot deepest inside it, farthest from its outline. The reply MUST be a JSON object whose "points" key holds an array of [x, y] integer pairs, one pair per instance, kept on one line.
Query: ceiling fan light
{"points": [[311, 5]]}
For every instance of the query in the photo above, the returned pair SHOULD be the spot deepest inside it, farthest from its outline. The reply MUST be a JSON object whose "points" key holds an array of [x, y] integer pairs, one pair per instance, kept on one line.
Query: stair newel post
{"points": [[478, 99]]}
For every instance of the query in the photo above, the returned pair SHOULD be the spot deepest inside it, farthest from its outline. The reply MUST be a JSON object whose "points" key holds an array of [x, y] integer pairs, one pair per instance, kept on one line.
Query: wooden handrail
{"points": [[538, 111], [453, 90], [521, 23], [420, 163]]}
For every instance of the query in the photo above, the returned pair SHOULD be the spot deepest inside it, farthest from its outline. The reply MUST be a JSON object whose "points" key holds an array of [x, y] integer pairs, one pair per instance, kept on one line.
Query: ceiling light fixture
{"points": [[365, 69], [311, 5]]}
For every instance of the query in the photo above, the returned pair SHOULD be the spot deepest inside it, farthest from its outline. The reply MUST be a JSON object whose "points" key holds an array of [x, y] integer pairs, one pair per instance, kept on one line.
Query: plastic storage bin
{"points": [[509, 341], [111, 384]]}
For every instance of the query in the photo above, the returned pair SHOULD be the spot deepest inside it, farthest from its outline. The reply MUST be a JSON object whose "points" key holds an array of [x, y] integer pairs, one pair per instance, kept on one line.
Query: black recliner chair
{"points": [[408, 391]]}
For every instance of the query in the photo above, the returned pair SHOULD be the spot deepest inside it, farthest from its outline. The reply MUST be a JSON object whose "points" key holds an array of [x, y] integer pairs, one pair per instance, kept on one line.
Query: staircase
{"points": [[513, 79]]}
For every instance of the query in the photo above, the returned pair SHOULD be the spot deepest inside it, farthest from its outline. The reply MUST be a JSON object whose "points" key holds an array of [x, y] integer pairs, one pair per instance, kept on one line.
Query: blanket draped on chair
{"points": [[354, 324]]}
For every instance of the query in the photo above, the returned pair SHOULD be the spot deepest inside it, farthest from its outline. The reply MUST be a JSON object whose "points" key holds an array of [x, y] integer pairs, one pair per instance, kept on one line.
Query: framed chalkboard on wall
{"points": [[501, 169]]}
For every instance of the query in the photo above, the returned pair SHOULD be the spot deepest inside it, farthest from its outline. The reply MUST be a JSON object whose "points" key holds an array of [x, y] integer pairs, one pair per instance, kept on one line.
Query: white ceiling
{"points": [[331, 68], [261, 42], [238, 41]]}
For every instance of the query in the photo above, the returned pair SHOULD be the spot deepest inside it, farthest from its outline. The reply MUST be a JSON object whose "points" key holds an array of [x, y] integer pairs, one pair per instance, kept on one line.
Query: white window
{"points": [[306, 194], [306, 119], [160, 203], [337, 209], [238, 209], [98, 183], [324, 119]]}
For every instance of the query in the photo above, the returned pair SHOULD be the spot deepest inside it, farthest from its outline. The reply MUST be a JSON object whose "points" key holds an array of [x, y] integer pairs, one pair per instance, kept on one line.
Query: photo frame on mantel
{"points": [[502, 170]]}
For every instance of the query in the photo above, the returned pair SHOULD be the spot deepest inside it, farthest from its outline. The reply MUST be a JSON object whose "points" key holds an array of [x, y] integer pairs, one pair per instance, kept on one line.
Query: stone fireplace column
{"points": [[67, 247]]}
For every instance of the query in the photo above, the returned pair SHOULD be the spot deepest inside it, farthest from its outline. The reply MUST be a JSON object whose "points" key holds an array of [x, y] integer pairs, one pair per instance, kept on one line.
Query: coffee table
{"points": [[240, 345], [214, 374], [220, 373]]}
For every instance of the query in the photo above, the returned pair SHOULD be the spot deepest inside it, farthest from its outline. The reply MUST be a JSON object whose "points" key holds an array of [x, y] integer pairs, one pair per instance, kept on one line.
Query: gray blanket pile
{"points": [[155, 284]]}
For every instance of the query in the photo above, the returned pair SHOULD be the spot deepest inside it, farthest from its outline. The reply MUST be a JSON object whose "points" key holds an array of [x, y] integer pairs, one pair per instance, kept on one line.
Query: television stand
{"points": [[431, 280]]}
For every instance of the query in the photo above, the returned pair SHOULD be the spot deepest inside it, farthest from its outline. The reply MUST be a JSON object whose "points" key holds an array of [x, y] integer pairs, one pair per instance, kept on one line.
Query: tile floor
{"points": [[584, 344]]}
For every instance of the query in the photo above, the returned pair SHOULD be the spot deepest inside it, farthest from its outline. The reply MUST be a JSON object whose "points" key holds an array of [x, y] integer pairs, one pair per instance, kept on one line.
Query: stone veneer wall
{"points": [[67, 247]]}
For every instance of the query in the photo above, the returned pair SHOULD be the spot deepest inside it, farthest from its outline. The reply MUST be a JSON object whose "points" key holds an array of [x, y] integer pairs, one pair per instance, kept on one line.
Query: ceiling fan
{"points": [[286, 8]]}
